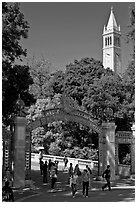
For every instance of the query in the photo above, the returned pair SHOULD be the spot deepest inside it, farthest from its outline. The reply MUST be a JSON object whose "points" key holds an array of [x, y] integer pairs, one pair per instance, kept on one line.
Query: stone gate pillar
{"points": [[133, 150], [19, 152], [108, 148]]}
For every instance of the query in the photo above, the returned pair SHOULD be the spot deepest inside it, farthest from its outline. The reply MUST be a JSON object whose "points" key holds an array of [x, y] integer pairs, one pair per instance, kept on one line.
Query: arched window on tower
{"points": [[110, 40], [105, 41], [118, 42]]}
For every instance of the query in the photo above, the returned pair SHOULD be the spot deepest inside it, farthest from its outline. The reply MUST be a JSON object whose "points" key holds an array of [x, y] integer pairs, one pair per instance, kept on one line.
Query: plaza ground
{"points": [[122, 190]]}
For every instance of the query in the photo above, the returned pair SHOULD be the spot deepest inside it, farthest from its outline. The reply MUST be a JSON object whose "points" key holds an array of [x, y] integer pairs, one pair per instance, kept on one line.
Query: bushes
{"points": [[54, 149], [85, 153]]}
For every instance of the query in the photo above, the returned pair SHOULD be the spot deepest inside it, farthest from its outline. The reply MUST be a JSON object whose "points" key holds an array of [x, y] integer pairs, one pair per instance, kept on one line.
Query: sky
{"points": [[64, 31]]}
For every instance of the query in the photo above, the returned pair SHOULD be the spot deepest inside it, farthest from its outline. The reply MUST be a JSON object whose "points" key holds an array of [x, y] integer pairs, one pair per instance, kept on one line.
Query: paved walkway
{"points": [[122, 190]]}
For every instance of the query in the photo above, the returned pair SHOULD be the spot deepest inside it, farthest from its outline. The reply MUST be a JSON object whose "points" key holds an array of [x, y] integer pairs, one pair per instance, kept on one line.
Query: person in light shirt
{"points": [[73, 183]]}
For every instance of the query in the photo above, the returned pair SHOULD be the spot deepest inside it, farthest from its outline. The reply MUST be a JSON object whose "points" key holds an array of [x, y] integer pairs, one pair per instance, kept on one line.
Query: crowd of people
{"points": [[76, 178], [49, 171]]}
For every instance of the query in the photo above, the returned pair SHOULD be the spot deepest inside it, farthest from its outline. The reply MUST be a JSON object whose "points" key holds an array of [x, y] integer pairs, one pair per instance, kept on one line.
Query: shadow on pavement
{"points": [[63, 191]]}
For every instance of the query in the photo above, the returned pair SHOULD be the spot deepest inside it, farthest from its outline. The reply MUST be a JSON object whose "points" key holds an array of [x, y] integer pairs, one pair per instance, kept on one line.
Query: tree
{"points": [[38, 136], [14, 27], [40, 72], [96, 89], [129, 74], [131, 32], [15, 78], [18, 81]]}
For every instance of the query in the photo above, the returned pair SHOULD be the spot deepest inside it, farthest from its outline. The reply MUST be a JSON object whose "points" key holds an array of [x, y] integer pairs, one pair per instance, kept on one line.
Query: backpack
{"points": [[86, 176]]}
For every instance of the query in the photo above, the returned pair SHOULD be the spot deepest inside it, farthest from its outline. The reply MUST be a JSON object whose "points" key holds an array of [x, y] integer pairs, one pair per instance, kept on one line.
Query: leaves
{"points": [[40, 72], [14, 27], [16, 82], [15, 78]]}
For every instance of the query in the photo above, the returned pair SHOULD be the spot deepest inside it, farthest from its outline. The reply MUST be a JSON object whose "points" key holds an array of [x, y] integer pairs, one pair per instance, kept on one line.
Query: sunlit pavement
{"points": [[122, 190]]}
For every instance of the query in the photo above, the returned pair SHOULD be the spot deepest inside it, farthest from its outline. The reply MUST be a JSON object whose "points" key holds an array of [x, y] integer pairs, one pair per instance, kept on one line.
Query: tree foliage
{"points": [[131, 31], [14, 27], [40, 73], [18, 81], [101, 92], [94, 88], [15, 78]]}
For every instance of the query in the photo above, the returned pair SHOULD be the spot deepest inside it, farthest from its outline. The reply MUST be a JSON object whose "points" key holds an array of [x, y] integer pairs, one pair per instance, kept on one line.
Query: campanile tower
{"points": [[112, 45]]}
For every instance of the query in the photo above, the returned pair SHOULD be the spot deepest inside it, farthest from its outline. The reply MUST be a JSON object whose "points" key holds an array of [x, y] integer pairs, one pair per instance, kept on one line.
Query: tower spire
{"points": [[112, 21]]}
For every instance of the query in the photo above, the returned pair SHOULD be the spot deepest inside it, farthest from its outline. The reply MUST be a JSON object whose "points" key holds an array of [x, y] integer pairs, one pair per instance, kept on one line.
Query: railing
{"points": [[81, 162]]}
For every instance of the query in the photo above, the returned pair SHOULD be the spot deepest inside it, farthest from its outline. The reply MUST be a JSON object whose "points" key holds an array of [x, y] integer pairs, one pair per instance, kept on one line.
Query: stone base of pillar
{"points": [[29, 183]]}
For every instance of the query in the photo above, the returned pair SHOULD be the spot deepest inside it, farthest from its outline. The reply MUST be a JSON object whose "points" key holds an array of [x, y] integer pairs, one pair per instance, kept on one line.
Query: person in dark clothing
{"points": [[70, 171], [107, 175], [65, 162], [90, 172], [40, 156], [77, 170], [49, 164], [45, 171], [7, 193], [86, 182], [56, 166], [41, 167]]}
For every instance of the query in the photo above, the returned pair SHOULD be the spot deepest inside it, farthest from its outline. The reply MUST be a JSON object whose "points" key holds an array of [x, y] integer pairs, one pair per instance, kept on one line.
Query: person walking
{"points": [[90, 172], [107, 175], [49, 165], [65, 162], [7, 193], [78, 172], [45, 172], [40, 156], [56, 166], [86, 181], [41, 167], [70, 171], [73, 183], [53, 176]]}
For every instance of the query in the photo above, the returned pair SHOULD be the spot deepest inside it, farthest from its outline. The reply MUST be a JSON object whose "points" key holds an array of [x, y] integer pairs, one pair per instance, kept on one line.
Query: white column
{"points": [[19, 152]]}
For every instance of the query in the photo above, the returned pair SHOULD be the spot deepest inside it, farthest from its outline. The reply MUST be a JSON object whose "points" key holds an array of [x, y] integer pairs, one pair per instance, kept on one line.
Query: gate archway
{"points": [[67, 110]]}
